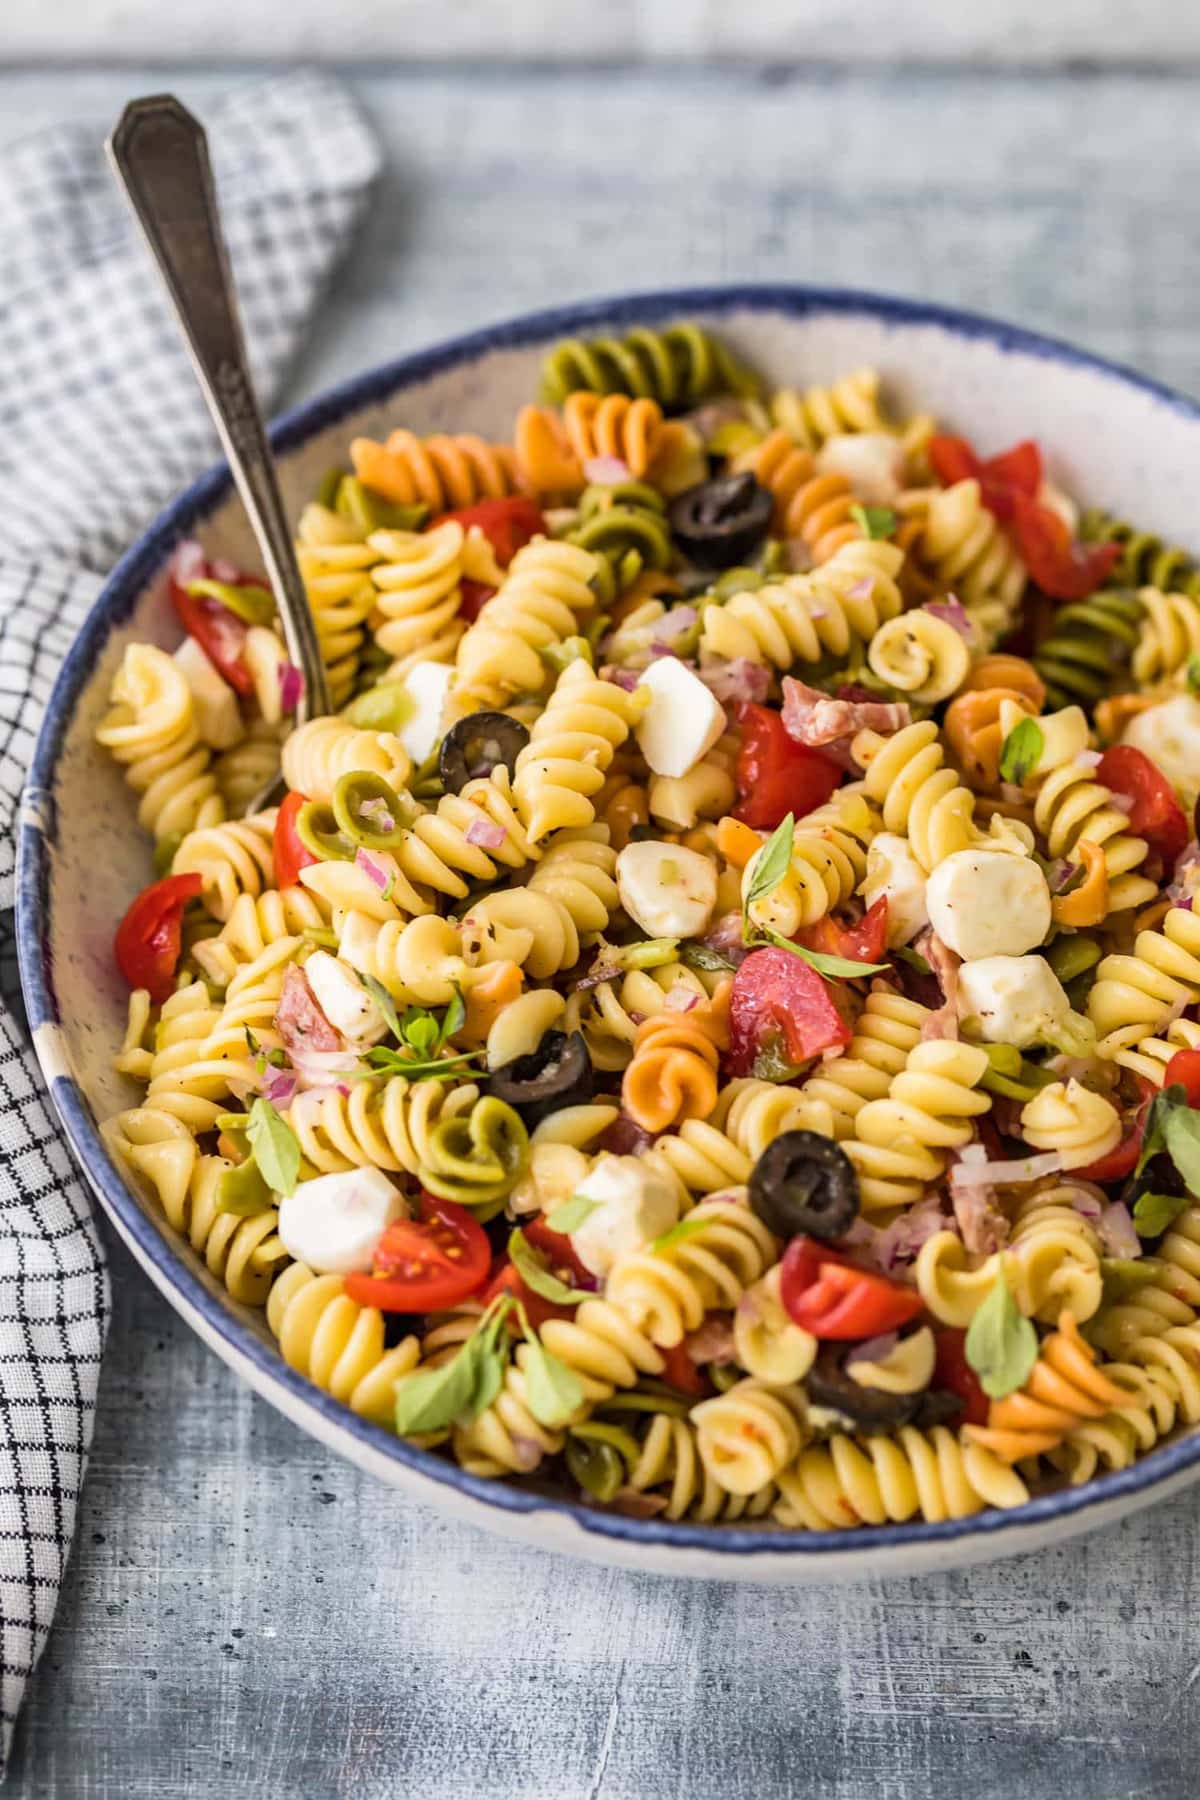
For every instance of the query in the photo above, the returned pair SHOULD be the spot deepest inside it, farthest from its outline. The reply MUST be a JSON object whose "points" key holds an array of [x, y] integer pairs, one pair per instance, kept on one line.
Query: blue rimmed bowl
{"points": [[1112, 437]]}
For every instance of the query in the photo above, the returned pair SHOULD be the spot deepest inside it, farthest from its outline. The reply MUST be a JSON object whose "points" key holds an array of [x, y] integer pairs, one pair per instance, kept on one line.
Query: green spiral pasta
{"points": [[676, 366], [1145, 560], [1092, 640]]}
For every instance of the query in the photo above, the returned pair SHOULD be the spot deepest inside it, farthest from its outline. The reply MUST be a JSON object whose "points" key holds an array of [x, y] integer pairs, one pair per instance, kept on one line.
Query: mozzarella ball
{"points": [[682, 721], [1014, 998], [334, 1223], [343, 999], [1170, 736], [871, 461], [988, 903], [894, 871], [426, 684], [635, 1206], [668, 891]]}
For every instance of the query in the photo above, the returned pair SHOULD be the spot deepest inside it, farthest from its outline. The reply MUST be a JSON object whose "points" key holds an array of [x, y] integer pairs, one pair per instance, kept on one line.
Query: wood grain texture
{"points": [[247, 1617]]}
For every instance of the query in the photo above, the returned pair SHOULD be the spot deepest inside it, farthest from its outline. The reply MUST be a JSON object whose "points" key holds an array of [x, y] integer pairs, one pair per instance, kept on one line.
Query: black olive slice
{"points": [[872, 1409], [721, 522], [477, 745], [804, 1183], [938, 1406], [557, 1074]]}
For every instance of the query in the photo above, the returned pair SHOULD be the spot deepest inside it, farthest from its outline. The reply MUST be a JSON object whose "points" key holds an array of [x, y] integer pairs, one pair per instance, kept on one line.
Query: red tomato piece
{"points": [[1061, 567], [952, 459], [775, 775], [559, 1252], [679, 1371], [424, 1264], [1183, 1070], [827, 1296], [149, 937], [506, 524], [776, 994], [220, 633], [1001, 478], [1157, 815], [952, 1371], [290, 854], [864, 941], [505, 1280], [475, 595]]}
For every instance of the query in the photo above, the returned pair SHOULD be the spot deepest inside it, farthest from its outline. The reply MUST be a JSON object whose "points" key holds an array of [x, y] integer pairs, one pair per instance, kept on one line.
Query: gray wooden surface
{"points": [[245, 1616]]}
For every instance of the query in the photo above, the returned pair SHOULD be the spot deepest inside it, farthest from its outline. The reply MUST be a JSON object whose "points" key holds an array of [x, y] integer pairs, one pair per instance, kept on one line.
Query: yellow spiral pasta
{"points": [[1065, 1387], [970, 554], [670, 1459], [335, 565], [507, 1438], [1169, 1299], [1070, 1119], [748, 1435], [416, 578], [609, 1014], [828, 864], [1118, 1438], [887, 1032], [150, 729], [769, 1345], [899, 1141], [384, 1125], [933, 1475], [667, 1292], [231, 859], [545, 595], [1135, 996], [804, 618], [339, 1345], [255, 922], [851, 403], [318, 754], [1168, 635], [572, 743], [1054, 1253], [921, 655], [245, 772], [907, 776]]}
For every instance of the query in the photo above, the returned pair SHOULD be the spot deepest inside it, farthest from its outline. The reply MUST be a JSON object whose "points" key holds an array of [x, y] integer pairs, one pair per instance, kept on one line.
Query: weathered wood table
{"points": [[245, 1616]]}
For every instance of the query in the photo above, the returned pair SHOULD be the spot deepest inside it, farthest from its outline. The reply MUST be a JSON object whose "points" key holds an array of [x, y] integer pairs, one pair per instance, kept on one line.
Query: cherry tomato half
{"points": [[289, 853], [220, 633], [775, 775], [559, 1252], [773, 994], [505, 1280], [149, 937], [952, 1371], [1061, 567], [475, 595], [1000, 478], [679, 1371], [1183, 1071], [824, 1294], [506, 524], [1157, 815], [864, 941], [424, 1264]]}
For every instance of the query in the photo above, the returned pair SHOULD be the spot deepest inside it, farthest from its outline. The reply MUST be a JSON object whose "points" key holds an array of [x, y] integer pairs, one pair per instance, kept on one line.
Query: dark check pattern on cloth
{"points": [[100, 423]]}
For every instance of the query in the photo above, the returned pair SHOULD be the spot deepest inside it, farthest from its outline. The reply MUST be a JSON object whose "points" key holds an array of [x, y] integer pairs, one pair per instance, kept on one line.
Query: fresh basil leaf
{"points": [[1002, 1345], [686, 1228], [421, 1033], [432, 1399], [1021, 751], [834, 968], [385, 1003], [274, 1147], [536, 1275], [1152, 1213], [874, 521], [553, 1391], [700, 956], [416, 1068], [571, 1214], [913, 958], [453, 1019], [1154, 1136], [773, 862], [1182, 1132]]}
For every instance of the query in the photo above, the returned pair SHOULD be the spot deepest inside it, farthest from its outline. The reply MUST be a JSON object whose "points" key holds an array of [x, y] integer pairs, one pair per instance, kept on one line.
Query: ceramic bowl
{"points": [[1111, 436]]}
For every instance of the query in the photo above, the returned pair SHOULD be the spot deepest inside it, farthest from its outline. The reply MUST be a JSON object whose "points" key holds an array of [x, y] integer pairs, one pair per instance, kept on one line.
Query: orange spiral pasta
{"points": [[547, 464], [673, 1075], [972, 723], [441, 472], [1065, 1388], [784, 470], [821, 513], [1002, 670], [1088, 903]]}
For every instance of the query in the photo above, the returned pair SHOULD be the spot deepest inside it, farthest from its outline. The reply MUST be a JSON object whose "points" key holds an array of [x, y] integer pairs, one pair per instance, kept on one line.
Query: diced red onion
{"points": [[279, 1086], [741, 679], [375, 811], [863, 588], [952, 612], [291, 686], [1059, 873], [675, 623], [485, 834], [1089, 1202], [726, 938], [1086, 759], [1016, 1173], [876, 1349], [681, 999], [606, 470], [527, 1453], [1117, 1233], [711, 1342], [318, 1068], [900, 1243], [622, 678], [379, 868], [1122, 802]]}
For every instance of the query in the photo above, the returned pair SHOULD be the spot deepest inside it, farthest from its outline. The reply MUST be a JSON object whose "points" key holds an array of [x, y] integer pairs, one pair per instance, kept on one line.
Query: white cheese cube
{"points": [[871, 461], [1170, 736], [668, 891], [344, 1000], [988, 903], [334, 1223], [426, 684], [635, 1206], [683, 720], [892, 869], [1015, 999], [214, 702]]}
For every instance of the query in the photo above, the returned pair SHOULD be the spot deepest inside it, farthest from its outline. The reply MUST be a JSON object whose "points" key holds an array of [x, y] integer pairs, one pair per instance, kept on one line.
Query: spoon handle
{"points": [[160, 155]]}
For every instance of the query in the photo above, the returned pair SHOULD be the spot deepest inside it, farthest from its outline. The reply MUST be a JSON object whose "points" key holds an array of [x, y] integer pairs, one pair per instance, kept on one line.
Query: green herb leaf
{"points": [[385, 1003], [432, 1399], [1152, 1213], [874, 521], [913, 958], [420, 1032], [1183, 1144], [554, 1392], [1154, 1136], [534, 1273], [274, 1147], [686, 1228], [699, 956], [1021, 752], [571, 1214], [1001, 1343], [454, 1018], [383, 1061], [834, 968], [772, 862]]}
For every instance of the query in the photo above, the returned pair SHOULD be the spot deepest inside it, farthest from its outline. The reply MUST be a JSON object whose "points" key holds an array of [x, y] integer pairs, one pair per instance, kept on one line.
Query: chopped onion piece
{"points": [[1117, 1233], [279, 1087], [291, 686], [741, 679], [485, 834], [952, 612], [606, 471], [1006, 1174]]}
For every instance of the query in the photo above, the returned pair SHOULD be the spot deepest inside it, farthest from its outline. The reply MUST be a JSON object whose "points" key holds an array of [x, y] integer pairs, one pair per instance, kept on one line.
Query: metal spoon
{"points": [[159, 153]]}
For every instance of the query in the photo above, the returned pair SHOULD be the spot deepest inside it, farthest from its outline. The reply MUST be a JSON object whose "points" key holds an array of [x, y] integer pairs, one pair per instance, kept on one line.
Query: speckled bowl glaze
{"points": [[1111, 437]]}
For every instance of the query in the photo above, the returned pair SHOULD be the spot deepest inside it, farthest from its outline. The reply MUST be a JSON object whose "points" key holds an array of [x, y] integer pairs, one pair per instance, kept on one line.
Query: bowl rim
{"points": [[37, 832]]}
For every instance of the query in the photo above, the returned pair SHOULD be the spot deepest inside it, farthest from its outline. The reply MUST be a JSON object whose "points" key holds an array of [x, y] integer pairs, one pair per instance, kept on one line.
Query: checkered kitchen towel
{"points": [[100, 423]]}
